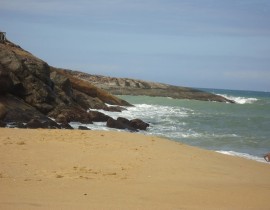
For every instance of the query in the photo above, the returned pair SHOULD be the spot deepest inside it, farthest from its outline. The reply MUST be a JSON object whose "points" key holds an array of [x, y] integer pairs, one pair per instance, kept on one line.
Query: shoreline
{"points": [[75, 169], [224, 152]]}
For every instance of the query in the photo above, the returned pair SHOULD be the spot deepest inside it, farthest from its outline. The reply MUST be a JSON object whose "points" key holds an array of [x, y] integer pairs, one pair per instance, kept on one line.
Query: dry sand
{"points": [[63, 169]]}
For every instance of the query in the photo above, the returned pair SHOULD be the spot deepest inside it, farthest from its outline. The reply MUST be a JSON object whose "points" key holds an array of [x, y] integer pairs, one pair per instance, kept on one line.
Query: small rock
{"points": [[83, 128]]}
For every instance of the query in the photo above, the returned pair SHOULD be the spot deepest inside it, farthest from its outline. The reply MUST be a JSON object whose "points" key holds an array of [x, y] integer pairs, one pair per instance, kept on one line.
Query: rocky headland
{"points": [[126, 86], [34, 94]]}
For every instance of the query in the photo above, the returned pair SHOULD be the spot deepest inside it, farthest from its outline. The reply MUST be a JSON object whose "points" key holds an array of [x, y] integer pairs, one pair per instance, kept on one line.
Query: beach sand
{"points": [[74, 169]]}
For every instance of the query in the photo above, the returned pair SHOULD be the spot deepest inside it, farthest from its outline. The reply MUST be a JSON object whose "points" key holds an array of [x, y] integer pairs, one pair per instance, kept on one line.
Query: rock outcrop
{"points": [[123, 123], [125, 86], [32, 92], [3, 111]]}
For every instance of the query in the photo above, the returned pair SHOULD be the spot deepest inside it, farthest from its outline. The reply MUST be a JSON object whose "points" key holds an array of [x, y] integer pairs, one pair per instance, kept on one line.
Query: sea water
{"points": [[240, 129]]}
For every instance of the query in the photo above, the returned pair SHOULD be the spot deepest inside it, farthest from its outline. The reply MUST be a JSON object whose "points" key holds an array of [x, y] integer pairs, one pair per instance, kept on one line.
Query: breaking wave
{"points": [[239, 100], [243, 155]]}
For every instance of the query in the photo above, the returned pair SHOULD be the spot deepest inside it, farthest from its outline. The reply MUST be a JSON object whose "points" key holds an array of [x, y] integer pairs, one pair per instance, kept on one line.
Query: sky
{"points": [[193, 43]]}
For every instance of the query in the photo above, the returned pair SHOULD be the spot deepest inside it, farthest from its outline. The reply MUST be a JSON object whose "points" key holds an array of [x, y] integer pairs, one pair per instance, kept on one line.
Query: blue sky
{"points": [[195, 43]]}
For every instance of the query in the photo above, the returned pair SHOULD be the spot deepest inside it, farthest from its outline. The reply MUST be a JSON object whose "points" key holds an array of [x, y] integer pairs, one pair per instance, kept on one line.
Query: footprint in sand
{"points": [[59, 176], [21, 143]]}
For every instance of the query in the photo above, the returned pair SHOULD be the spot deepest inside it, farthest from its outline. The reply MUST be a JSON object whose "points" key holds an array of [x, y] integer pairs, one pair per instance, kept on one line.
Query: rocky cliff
{"points": [[125, 86], [32, 92]]}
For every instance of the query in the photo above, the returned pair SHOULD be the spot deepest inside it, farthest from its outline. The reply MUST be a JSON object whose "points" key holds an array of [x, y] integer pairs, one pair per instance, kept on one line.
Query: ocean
{"points": [[241, 129]]}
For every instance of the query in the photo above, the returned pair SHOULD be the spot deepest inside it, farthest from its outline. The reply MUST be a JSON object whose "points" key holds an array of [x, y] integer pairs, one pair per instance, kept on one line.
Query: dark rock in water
{"points": [[112, 123], [118, 124], [123, 123], [135, 123], [83, 128], [139, 124], [126, 123]]}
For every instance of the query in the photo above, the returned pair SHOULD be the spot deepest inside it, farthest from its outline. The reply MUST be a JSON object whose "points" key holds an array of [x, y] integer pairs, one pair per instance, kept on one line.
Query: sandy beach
{"points": [[74, 169]]}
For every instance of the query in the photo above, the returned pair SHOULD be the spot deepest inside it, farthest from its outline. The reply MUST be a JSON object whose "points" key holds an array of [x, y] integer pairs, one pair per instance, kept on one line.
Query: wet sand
{"points": [[73, 169]]}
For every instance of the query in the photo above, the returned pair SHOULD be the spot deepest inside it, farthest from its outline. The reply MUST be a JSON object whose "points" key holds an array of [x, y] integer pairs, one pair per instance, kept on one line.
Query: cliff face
{"points": [[124, 86], [31, 89]]}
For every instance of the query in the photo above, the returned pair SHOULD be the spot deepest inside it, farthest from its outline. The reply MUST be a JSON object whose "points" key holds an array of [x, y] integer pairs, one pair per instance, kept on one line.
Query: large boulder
{"points": [[123, 123], [96, 116], [17, 113], [139, 124], [30, 77], [66, 114], [119, 124], [36, 123], [83, 128]]}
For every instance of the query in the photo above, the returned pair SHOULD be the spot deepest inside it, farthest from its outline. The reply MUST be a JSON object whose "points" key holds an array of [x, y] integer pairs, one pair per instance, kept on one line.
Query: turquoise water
{"points": [[241, 129]]}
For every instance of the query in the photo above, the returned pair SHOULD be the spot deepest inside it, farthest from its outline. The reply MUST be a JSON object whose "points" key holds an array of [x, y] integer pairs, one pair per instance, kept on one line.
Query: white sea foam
{"points": [[189, 124], [239, 100], [243, 155], [148, 112]]}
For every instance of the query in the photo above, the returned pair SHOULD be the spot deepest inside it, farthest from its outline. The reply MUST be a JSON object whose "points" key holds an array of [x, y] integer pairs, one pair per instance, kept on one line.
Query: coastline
{"points": [[75, 169]]}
